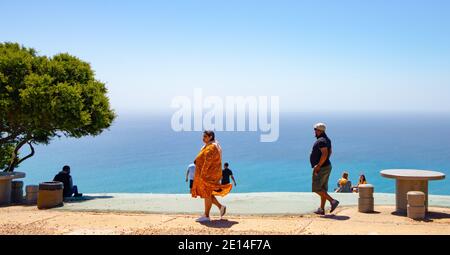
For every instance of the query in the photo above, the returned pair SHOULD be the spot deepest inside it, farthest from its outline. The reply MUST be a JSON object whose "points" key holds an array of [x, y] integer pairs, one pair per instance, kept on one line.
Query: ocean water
{"points": [[141, 153]]}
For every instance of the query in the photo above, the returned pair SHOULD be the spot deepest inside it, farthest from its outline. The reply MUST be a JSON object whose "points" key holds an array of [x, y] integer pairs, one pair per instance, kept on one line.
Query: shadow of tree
{"points": [[219, 223]]}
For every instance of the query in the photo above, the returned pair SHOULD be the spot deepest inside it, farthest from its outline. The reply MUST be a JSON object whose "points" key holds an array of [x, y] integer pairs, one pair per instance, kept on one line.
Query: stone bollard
{"points": [[416, 205], [50, 195], [17, 192], [32, 194], [366, 200], [5, 188]]}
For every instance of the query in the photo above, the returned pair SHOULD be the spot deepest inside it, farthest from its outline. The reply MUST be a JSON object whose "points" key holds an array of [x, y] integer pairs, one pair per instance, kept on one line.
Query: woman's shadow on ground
{"points": [[222, 224]]}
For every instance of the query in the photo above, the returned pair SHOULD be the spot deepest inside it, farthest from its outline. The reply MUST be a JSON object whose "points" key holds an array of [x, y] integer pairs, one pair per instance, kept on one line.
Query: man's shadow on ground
{"points": [[219, 223]]}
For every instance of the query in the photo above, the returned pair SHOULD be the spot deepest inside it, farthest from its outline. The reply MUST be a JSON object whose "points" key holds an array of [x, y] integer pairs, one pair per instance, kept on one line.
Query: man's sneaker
{"points": [[223, 210], [320, 211], [203, 219], [334, 205]]}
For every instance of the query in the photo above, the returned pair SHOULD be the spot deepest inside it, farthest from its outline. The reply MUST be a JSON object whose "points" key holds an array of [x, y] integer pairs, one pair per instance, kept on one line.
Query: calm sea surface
{"points": [[141, 154]]}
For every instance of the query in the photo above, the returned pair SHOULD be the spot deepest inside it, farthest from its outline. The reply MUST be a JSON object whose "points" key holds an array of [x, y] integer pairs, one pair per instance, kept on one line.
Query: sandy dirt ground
{"points": [[22, 220]]}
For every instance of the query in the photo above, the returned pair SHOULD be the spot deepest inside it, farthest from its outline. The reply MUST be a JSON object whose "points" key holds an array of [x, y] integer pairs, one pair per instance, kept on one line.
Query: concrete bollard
{"points": [[416, 198], [365, 191], [416, 205], [17, 192], [366, 200], [50, 195], [5, 188], [31, 196]]}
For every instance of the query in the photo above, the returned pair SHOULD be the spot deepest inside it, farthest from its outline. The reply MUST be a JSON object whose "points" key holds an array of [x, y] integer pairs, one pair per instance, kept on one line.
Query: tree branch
{"points": [[13, 163], [29, 155]]}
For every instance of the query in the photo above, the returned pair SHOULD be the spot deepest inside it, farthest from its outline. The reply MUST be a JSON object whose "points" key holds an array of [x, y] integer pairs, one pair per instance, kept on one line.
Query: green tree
{"points": [[5, 155], [45, 97]]}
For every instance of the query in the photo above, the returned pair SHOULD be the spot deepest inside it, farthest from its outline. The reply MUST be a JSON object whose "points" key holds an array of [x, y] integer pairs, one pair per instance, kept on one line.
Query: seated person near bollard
{"points": [[344, 185], [362, 180], [64, 177]]}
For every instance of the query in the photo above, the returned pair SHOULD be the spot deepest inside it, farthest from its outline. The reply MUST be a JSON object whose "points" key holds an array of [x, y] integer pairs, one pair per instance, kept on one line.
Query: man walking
{"points": [[226, 174], [190, 173], [320, 162]]}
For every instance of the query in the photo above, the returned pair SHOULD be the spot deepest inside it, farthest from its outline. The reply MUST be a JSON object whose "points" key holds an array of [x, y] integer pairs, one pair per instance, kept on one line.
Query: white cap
{"points": [[320, 126]]}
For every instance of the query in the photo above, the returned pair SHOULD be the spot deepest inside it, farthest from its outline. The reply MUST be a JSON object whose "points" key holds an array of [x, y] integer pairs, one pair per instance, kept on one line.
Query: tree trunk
{"points": [[14, 157]]}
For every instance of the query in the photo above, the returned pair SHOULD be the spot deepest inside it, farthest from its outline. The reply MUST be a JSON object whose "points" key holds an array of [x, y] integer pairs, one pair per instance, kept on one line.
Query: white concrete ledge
{"points": [[238, 203]]}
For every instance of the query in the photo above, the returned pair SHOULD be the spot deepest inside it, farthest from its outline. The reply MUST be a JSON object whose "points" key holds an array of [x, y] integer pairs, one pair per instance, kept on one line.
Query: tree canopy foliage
{"points": [[44, 97]]}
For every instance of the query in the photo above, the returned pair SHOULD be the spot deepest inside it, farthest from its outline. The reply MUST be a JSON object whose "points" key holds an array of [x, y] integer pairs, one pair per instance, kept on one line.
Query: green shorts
{"points": [[320, 181]]}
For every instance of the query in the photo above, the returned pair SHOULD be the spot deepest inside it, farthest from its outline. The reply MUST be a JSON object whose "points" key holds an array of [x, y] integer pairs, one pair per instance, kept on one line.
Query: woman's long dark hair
{"points": [[363, 178], [211, 134]]}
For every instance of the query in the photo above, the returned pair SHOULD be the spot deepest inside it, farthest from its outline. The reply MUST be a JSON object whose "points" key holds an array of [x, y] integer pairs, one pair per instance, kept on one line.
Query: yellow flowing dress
{"points": [[208, 173]]}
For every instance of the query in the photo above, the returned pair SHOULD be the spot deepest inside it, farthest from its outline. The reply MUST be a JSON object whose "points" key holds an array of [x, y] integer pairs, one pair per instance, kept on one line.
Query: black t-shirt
{"points": [[322, 142], [66, 179], [226, 173]]}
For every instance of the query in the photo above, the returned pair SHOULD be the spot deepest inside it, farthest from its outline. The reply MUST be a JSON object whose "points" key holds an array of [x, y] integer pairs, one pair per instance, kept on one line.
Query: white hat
{"points": [[321, 127]]}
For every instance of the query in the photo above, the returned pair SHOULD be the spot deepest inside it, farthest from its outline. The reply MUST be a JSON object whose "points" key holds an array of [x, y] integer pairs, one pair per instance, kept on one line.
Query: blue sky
{"points": [[315, 55]]}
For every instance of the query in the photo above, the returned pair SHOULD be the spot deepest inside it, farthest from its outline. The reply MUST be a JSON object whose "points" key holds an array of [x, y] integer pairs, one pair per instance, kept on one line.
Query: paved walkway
{"points": [[19, 220], [237, 204]]}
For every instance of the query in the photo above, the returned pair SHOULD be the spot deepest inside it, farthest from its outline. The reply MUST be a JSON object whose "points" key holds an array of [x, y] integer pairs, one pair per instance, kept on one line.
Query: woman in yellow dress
{"points": [[208, 176]]}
